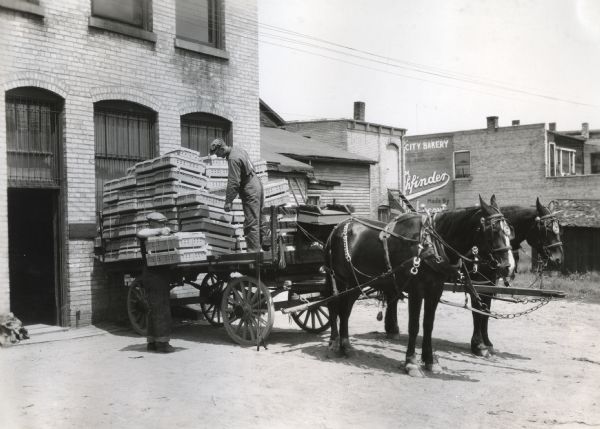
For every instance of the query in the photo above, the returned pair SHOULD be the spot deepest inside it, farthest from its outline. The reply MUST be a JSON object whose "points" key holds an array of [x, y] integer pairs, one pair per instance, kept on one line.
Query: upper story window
{"points": [[462, 164], [136, 13], [198, 21], [561, 160]]}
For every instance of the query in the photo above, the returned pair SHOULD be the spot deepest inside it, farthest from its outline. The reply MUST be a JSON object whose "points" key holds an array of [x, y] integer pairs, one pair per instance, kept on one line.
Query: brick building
{"points": [[90, 87], [518, 163], [379, 143]]}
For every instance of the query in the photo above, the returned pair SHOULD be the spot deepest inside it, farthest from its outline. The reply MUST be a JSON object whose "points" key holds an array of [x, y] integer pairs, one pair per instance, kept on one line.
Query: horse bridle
{"points": [[544, 224], [488, 227]]}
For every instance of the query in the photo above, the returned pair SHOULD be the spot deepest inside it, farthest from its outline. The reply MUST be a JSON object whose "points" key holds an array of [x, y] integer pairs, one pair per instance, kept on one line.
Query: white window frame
{"points": [[561, 151], [454, 164]]}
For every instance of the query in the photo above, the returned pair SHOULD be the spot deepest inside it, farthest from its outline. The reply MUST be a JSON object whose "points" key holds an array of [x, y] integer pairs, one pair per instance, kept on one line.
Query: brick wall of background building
{"points": [[332, 132], [510, 162], [61, 53]]}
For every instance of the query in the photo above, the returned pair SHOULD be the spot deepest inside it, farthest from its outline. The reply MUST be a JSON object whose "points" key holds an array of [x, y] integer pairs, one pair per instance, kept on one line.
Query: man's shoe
{"points": [[151, 347], [164, 348]]}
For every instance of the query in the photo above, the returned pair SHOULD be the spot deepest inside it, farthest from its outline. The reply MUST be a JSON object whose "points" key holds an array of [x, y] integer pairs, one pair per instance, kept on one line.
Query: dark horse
{"points": [[539, 227], [413, 253]]}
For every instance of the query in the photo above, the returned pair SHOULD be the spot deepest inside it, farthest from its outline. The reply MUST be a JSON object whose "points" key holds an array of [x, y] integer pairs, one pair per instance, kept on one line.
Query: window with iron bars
{"points": [[198, 130], [124, 135], [33, 138]]}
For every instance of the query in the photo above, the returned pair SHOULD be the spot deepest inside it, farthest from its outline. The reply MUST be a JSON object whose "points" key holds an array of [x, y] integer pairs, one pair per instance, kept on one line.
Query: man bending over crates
{"points": [[243, 180]]}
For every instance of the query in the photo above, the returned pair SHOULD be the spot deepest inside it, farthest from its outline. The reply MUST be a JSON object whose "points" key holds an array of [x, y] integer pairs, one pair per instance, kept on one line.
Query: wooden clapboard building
{"points": [[318, 172]]}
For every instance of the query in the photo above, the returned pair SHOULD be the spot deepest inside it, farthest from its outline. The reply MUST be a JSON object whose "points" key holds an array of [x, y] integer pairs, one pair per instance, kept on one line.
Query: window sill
{"points": [[463, 179], [117, 27], [22, 6], [201, 49]]}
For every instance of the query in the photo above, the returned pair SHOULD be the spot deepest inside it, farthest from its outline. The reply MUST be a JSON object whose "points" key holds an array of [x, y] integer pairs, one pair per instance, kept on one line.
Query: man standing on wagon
{"points": [[243, 180]]}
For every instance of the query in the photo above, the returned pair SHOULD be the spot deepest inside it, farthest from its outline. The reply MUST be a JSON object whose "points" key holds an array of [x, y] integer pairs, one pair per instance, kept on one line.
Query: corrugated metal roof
{"points": [[275, 143], [581, 213]]}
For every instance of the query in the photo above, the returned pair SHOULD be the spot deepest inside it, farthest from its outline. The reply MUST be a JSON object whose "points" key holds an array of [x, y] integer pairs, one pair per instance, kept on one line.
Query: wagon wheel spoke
{"points": [[314, 320], [137, 308], [249, 309], [211, 289]]}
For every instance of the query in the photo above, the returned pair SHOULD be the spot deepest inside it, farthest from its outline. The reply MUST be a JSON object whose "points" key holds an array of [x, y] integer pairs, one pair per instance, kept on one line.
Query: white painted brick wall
{"points": [[61, 53]]}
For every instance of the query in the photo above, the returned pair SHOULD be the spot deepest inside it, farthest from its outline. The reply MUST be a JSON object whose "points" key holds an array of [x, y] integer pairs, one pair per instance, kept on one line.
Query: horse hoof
{"points": [[349, 352], [393, 336], [491, 350], [480, 351], [434, 368], [413, 370]]}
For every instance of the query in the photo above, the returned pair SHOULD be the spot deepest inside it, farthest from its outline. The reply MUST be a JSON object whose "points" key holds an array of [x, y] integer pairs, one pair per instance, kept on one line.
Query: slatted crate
{"points": [[277, 200], [172, 174], [195, 211], [216, 171], [171, 160], [157, 203], [224, 242], [276, 187], [121, 207], [120, 183], [214, 160], [122, 244], [208, 199], [216, 184], [179, 256], [179, 240], [213, 226]]}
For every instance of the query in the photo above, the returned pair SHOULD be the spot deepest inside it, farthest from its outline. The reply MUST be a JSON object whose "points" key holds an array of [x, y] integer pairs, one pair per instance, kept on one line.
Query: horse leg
{"points": [[345, 310], [478, 348], [484, 326], [392, 331], [415, 300], [432, 299]]}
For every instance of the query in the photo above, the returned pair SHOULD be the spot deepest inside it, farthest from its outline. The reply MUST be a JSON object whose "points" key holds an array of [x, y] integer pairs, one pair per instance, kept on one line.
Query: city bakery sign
{"points": [[428, 171]]}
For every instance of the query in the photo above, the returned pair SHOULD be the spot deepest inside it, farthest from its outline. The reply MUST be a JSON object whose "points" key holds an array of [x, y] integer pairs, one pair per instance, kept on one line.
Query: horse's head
{"points": [[494, 238], [545, 235]]}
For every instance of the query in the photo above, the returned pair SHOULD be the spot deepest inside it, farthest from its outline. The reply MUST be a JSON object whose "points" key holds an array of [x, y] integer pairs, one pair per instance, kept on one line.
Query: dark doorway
{"points": [[32, 243]]}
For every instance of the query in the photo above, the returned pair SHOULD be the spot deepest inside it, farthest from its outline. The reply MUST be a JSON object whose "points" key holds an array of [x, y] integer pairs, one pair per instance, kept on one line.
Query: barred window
{"points": [[198, 130], [124, 134], [33, 137]]}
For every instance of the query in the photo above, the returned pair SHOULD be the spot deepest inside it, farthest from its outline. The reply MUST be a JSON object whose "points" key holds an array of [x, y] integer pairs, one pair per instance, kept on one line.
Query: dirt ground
{"points": [[546, 374]]}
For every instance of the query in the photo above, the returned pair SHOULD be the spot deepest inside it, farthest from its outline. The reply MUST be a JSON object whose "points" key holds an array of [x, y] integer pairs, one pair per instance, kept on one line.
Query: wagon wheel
{"points": [[247, 309], [213, 285], [137, 307], [314, 320]]}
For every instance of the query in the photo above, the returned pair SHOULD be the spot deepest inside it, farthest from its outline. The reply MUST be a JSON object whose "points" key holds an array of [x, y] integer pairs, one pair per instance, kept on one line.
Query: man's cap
{"points": [[216, 144], [156, 217]]}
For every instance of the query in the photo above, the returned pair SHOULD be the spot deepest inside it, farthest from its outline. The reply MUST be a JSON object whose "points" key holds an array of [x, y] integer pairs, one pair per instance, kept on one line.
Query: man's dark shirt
{"points": [[240, 172]]}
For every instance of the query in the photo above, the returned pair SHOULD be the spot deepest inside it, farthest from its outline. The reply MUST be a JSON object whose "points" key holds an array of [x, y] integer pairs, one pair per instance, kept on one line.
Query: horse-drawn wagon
{"points": [[242, 291]]}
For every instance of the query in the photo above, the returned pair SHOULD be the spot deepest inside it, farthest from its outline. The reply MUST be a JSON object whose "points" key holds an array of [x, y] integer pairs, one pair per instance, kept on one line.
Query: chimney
{"points": [[492, 122], [585, 130], [516, 122], [552, 126], [359, 111]]}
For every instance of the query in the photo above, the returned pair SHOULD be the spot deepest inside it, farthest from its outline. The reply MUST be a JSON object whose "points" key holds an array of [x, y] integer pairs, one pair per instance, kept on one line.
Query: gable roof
{"points": [[270, 114]]}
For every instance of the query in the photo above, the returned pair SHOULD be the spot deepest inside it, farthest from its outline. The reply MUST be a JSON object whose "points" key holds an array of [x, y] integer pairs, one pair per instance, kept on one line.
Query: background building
{"points": [[517, 163], [89, 88], [378, 143]]}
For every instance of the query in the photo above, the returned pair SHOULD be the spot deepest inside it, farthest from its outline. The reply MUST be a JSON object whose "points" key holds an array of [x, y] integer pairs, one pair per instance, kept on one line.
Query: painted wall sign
{"points": [[428, 172]]}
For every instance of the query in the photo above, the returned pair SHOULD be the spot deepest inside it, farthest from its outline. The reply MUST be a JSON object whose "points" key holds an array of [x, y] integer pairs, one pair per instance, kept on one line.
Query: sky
{"points": [[432, 65]]}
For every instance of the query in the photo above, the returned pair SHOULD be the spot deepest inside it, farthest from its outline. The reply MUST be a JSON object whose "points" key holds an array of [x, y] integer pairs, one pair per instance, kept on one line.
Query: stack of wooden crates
{"points": [[189, 191]]}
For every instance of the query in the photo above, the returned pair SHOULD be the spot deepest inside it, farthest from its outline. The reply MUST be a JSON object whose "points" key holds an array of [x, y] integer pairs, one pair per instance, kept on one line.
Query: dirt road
{"points": [[546, 374]]}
